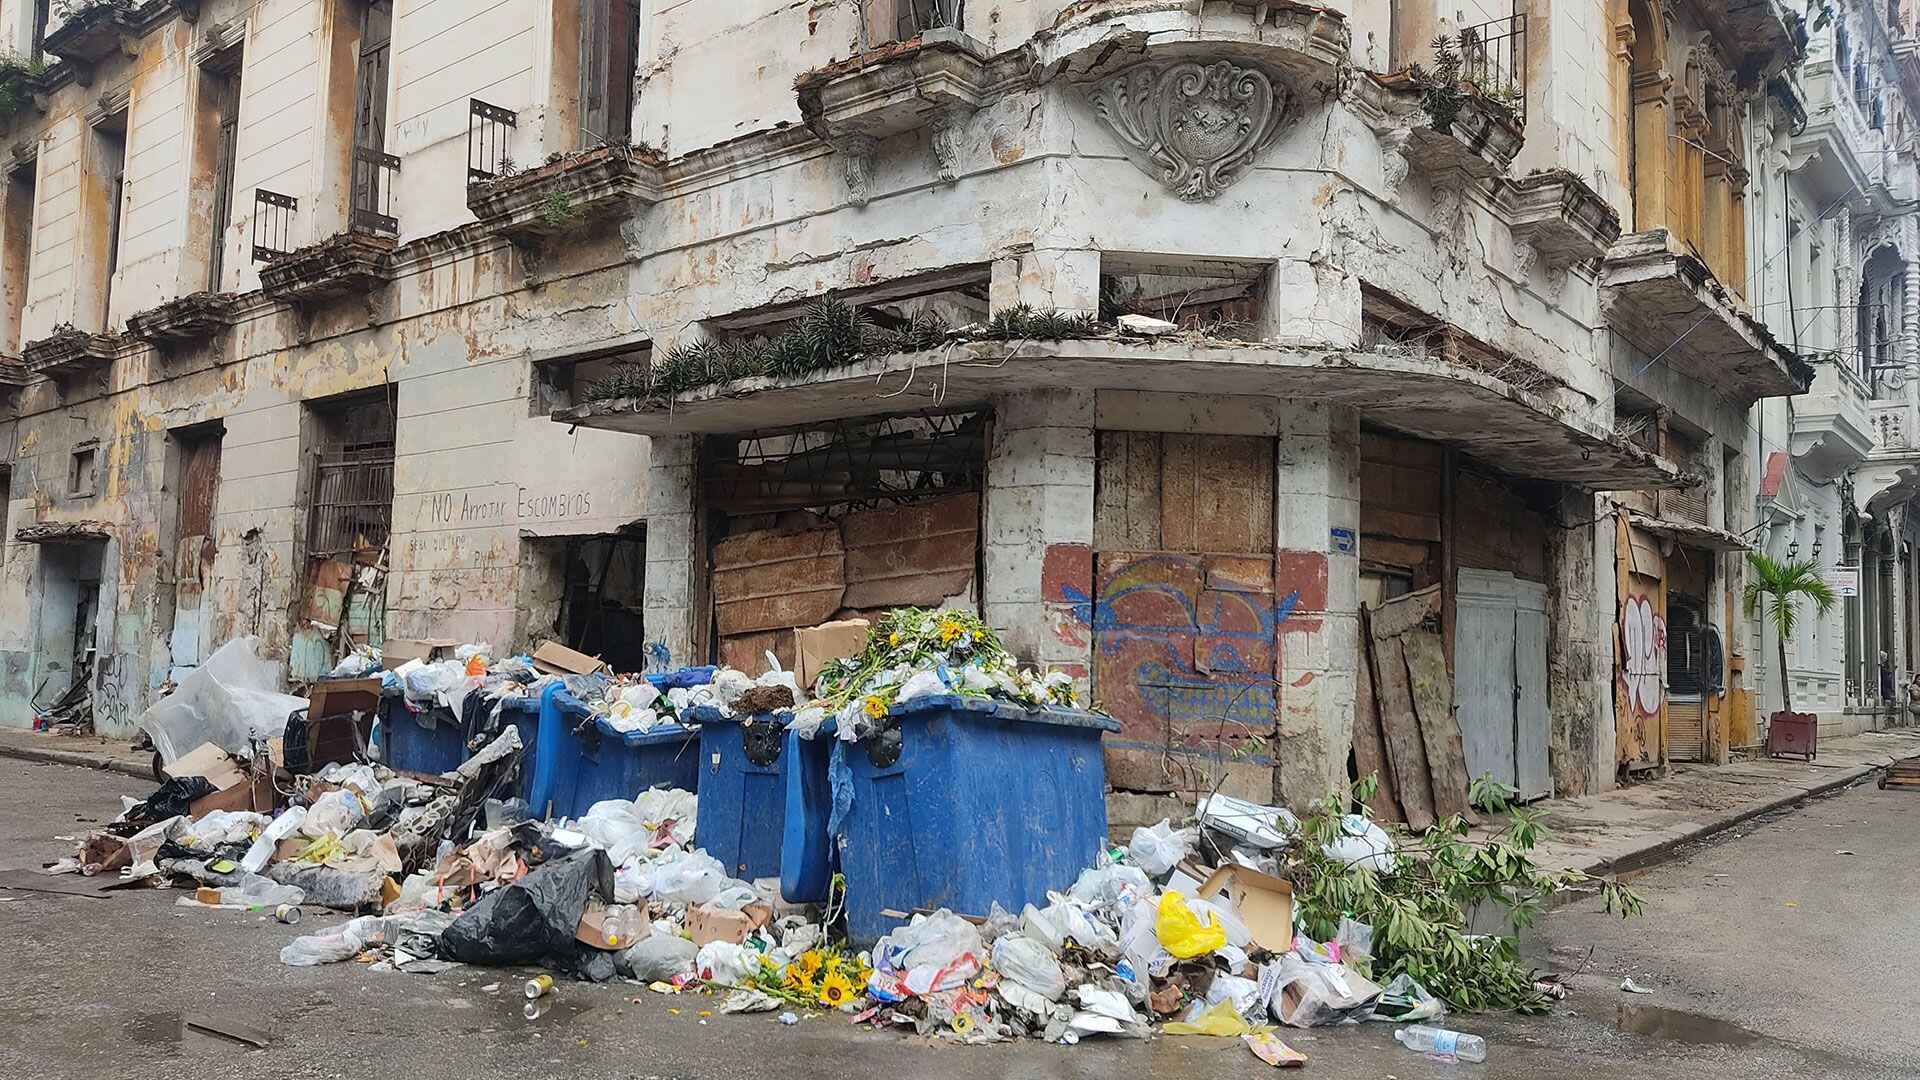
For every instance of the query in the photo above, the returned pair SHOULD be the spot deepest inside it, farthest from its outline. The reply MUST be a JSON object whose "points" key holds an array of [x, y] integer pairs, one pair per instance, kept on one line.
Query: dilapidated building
{"points": [[1174, 337]]}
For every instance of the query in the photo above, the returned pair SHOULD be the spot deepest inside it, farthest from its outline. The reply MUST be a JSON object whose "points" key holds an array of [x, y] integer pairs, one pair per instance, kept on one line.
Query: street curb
{"points": [[75, 758], [1666, 847]]}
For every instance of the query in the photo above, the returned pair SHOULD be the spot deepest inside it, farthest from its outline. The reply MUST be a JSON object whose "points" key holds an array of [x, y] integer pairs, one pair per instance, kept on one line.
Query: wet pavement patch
{"points": [[1673, 1025]]}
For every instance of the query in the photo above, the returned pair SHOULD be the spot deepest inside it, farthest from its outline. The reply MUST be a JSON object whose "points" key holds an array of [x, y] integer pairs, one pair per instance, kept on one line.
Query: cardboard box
{"points": [[816, 645], [1263, 902], [289, 848], [397, 651], [254, 794], [592, 931], [209, 761], [553, 658], [706, 923], [109, 852]]}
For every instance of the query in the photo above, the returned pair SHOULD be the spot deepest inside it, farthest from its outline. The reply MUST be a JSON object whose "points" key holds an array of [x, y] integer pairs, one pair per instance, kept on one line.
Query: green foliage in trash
{"points": [[908, 640], [1420, 910], [830, 334]]}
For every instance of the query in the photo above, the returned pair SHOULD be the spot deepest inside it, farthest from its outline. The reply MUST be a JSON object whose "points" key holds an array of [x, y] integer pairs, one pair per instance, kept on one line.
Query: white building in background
{"points": [[1835, 470]]}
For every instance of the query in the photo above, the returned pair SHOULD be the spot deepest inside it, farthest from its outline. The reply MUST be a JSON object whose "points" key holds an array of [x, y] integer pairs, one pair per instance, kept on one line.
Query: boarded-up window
{"points": [[609, 46]]}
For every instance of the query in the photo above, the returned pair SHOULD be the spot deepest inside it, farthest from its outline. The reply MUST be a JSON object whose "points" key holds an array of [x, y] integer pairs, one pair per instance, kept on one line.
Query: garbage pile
{"points": [[454, 869]]}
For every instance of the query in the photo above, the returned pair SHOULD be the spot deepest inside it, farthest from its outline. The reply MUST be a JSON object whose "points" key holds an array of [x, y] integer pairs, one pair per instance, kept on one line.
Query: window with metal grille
{"points": [[374, 170], [352, 492]]}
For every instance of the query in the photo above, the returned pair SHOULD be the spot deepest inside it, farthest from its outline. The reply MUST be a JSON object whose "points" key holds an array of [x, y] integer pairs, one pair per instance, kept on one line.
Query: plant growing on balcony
{"points": [[1782, 585], [67, 9], [17, 76]]}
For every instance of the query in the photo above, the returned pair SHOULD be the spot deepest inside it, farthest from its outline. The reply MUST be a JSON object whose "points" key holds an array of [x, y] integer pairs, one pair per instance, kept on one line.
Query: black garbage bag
{"points": [[582, 962], [534, 917], [171, 799]]}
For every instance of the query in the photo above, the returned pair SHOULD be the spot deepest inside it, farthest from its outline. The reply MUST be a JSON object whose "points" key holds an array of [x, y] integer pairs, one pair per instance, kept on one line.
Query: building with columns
{"points": [[684, 327], [1834, 470]]}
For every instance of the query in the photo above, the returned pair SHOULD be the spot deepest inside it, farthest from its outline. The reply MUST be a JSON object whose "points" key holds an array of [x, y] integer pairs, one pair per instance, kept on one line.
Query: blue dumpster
{"points": [[428, 741], [746, 766], [963, 803], [579, 760], [806, 847]]}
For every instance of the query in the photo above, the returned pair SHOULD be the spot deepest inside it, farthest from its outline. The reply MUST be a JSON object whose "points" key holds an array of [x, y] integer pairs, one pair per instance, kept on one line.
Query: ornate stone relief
{"points": [[856, 156], [949, 128], [1197, 126]]}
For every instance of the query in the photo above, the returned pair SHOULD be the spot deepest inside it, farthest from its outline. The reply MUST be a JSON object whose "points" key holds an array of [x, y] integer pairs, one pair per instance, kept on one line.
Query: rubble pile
{"points": [[453, 869]]}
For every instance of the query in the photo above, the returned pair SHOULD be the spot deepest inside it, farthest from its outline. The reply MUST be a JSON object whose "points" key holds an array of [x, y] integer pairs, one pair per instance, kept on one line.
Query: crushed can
{"points": [[539, 986], [287, 913]]}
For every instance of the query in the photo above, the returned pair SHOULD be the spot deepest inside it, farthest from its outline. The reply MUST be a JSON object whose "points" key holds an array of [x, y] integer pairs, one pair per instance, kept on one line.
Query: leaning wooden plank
{"points": [[1400, 729], [1439, 729], [1403, 613], [1369, 743]]}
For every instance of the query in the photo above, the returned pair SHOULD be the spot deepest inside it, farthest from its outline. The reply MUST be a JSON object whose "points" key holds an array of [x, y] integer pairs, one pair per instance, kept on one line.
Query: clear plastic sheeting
{"points": [[233, 700]]}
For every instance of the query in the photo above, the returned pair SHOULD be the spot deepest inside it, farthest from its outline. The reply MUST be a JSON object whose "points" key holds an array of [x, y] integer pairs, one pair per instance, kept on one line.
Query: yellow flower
{"points": [[836, 990], [809, 963], [876, 706], [893, 639], [799, 980], [950, 631]]}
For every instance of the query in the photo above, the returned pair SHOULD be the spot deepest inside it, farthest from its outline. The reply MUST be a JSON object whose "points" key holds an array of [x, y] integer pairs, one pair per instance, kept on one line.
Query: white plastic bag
{"points": [[921, 684], [1157, 849], [694, 879], [659, 956], [337, 811], [232, 700], [1140, 940], [937, 952], [343, 942], [1113, 886], [1323, 993], [725, 962], [1363, 845], [1031, 964], [734, 897]]}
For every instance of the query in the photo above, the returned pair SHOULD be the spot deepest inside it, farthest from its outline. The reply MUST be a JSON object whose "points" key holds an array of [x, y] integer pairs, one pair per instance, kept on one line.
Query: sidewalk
{"points": [[1629, 829], [86, 751]]}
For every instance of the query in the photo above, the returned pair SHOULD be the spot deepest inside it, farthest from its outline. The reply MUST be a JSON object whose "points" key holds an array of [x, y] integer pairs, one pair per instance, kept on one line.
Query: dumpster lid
{"points": [[1007, 711]]}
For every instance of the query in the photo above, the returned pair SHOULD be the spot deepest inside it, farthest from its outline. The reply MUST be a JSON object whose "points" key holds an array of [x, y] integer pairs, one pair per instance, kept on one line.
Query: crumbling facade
{"points": [[1172, 337]]}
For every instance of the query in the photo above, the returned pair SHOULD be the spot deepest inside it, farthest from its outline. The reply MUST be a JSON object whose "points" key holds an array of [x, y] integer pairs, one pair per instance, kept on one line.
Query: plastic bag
{"points": [[232, 700], [655, 958], [1242, 994], [1031, 964], [343, 942], [1238, 935], [921, 684], [1363, 844], [340, 890], [338, 811], [254, 891], [735, 897], [695, 879], [1222, 1020], [1112, 886], [933, 952], [1303, 994], [1356, 945], [1181, 930], [725, 962], [533, 917], [1404, 999], [1141, 943], [428, 682], [1157, 849]]}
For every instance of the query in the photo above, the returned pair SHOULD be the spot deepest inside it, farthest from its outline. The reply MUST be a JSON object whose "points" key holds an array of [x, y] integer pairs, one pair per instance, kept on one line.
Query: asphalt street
{"points": [[1785, 950]]}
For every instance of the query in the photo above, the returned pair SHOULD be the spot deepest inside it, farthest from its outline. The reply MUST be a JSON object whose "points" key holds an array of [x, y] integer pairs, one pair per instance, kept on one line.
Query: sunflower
{"points": [[799, 980], [835, 990], [894, 639], [950, 631], [810, 962], [876, 706]]}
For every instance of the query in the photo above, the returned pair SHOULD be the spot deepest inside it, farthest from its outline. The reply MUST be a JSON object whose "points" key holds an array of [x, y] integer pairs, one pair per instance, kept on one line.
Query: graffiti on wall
{"points": [[1183, 645], [1643, 660]]}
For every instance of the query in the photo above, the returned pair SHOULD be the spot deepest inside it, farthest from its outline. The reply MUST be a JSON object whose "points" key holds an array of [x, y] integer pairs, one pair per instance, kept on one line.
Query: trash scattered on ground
{"points": [[1441, 1043], [1627, 984], [1188, 929]]}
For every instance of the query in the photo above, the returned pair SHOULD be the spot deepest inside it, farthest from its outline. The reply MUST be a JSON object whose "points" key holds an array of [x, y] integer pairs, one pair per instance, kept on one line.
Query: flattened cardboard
{"points": [[553, 658], [256, 795], [1263, 902], [397, 651], [816, 645]]}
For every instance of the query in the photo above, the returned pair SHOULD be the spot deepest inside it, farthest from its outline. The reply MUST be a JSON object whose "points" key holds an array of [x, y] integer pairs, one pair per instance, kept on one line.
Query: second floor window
{"points": [[370, 107], [110, 171], [220, 113]]}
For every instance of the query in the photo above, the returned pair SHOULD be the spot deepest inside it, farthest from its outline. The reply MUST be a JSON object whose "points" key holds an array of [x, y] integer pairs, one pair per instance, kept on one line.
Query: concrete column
{"points": [[1316, 537], [1051, 280], [668, 607], [1037, 551], [1580, 603]]}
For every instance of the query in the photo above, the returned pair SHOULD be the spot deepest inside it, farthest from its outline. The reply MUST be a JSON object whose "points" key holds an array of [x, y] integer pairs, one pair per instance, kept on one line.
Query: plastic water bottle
{"points": [[1442, 1043]]}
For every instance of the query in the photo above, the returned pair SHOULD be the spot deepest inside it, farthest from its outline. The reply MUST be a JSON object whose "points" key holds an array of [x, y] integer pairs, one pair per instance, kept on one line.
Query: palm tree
{"points": [[1782, 585]]}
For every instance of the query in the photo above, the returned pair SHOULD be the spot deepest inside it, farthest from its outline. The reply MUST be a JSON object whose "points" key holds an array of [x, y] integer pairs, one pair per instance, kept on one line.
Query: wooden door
{"points": [[1533, 726], [1484, 659], [194, 547]]}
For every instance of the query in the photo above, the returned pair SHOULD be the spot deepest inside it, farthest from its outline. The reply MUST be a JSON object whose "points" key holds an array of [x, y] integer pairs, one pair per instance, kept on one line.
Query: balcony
{"points": [[70, 357], [1498, 422], [564, 194], [1834, 428], [14, 379], [349, 263], [1562, 219], [1667, 302], [183, 321], [92, 31], [1447, 132], [374, 176]]}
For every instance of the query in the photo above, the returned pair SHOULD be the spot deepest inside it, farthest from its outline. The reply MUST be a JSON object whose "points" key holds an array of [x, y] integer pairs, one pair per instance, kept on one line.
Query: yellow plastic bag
{"points": [[1222, 1020], [1181, 931]]}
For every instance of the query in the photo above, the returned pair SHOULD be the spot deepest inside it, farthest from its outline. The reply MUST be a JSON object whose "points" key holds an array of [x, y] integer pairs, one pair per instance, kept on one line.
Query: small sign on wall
{"points": [[1843, 580]]}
